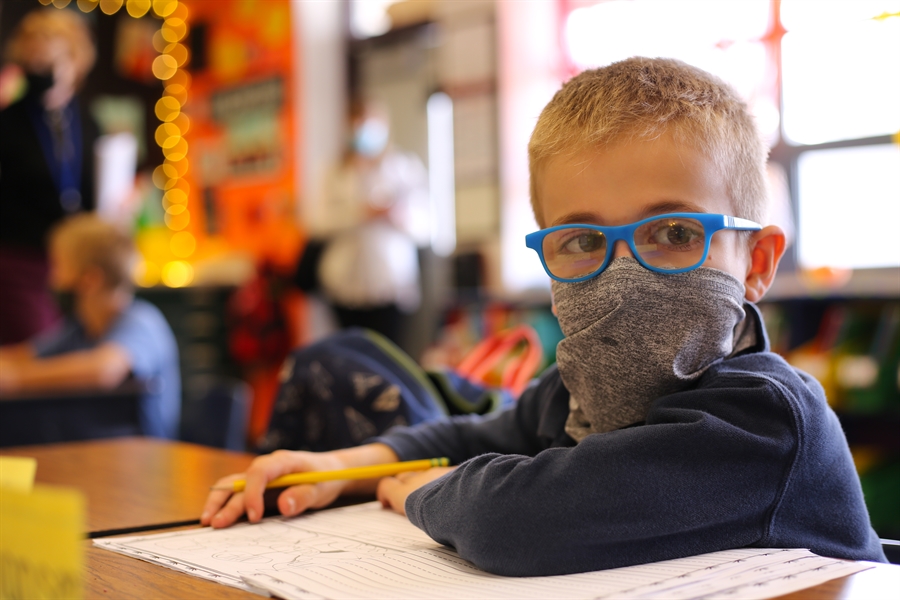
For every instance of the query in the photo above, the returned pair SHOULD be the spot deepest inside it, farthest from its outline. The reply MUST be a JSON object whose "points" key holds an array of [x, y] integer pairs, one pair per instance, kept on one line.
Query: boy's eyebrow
{"points": [[659, 208], [578, 217], [669, 206]]}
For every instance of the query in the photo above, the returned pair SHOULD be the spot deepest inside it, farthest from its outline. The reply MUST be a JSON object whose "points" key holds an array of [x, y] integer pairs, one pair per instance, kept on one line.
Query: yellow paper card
{"points": [[17, 473], [41, 543]]}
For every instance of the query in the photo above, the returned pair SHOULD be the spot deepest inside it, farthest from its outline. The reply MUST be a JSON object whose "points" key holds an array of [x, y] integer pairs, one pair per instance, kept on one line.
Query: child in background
{"points": [[105, 334], [667, 428]]}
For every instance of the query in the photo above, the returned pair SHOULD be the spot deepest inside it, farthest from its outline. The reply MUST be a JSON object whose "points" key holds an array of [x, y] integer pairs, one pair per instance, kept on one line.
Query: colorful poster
{"points": [[242, 136]]}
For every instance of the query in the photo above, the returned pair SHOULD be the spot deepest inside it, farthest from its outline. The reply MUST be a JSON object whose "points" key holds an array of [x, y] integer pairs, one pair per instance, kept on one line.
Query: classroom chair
{"points": [[219, 416]]}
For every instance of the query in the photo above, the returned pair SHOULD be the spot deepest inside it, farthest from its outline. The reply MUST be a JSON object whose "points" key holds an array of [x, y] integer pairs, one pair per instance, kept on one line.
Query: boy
{"points": [[666, 429], [106, 334]]}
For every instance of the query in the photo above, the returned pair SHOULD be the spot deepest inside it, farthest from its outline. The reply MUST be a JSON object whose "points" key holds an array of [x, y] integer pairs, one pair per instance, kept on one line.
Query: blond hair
{"points": [[50, 23], [642, 98], [93, 242]]}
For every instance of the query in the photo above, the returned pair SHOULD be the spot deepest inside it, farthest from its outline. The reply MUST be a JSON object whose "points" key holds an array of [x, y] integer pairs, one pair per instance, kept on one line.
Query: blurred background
{"points": [[259, 125]]}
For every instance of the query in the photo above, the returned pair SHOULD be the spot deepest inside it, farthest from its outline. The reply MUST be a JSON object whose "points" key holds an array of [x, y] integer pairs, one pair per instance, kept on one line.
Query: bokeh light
{"points": [[164, 8], [183, 123], [110, 7], [177, 273], [174, 196], [177, 217], [164, 176], [146, 273], [180, 11], [167, 108], [87, 5], [45, 2], [174, 29], [164, 66], [181, 184], [137, 8], [178, 92], [179, 52], [61, 3], [182, 77], [167, 135], [183, 244], [180, 166], [159, 44], [176, 152]]}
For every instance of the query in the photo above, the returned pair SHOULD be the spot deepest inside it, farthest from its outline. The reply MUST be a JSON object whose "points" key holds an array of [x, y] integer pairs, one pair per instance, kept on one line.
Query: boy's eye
{"points": [[670, 233], [585, 241]]}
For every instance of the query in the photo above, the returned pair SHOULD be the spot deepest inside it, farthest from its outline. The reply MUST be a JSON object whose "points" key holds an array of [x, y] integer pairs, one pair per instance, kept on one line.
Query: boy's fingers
{"points": [[382, 490], [294, 500], [299, 498], [229, 513], [262, 471], [217, 498], [215, 501], [391, 494]]}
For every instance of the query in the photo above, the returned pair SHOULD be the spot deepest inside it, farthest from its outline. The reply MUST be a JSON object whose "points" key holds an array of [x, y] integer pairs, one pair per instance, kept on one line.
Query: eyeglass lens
{"points": [[670, 244]]}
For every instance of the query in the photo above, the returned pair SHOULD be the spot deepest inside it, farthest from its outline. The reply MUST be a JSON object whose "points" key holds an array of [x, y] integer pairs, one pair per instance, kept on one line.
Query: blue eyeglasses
{"points": [[671, 243]]}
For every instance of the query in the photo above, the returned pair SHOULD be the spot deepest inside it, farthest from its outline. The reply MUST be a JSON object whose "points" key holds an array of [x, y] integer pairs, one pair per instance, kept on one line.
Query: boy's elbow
{"points": [[506, 546], [111, 367], [513, 559]]}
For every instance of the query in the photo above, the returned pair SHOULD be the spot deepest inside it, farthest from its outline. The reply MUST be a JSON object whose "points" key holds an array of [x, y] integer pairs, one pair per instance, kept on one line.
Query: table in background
{"points": [[68, 415], [131, 482]]}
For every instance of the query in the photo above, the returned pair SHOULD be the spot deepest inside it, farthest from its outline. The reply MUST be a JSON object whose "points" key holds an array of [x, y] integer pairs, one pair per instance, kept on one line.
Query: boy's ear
{"points": [[766, 249]]}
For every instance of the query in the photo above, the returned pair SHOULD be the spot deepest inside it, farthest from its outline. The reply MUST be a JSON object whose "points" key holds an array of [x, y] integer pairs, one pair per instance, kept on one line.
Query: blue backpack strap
{"points": [[463, 397]]}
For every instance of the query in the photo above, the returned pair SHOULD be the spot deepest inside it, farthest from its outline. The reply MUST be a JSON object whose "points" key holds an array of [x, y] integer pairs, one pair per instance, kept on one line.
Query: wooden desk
{"points": [[167, 481], [131, 482]]}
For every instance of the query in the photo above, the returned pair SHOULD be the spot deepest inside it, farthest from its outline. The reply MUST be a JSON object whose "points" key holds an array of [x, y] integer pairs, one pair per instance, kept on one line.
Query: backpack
{"points": [[351, 386]]}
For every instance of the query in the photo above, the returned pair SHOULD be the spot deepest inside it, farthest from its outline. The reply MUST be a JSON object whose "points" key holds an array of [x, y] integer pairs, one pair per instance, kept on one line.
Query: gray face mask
{"points": [[633, 335]]}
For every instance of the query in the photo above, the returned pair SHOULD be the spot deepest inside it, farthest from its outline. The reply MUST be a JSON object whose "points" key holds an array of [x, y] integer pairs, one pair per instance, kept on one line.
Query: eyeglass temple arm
{"points": [[741, 224]]}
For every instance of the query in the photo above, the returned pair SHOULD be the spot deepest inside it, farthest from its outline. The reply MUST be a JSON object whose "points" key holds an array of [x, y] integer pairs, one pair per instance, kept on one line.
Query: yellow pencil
{"points": [[371, 472]]}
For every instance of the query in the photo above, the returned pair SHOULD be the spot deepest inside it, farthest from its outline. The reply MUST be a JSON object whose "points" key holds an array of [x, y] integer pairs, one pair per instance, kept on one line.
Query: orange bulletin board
{"points": [[242, 136]]}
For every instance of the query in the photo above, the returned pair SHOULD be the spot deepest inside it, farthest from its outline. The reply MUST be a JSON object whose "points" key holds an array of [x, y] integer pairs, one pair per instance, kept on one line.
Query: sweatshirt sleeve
{"points": [[525, 428], [700, 476]]}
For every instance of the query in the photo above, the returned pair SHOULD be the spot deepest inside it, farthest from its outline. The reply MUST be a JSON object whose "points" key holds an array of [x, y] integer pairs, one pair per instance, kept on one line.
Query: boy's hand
{"points": [[224, 508], [393, 491]]}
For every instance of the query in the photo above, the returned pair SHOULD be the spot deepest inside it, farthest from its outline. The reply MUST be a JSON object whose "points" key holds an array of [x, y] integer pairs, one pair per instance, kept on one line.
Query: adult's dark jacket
{"points": [[751, 456], [29, 198]]}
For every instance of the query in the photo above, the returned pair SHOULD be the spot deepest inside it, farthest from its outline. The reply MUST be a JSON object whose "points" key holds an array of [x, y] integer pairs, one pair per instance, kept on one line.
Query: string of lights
{"points": [[170, 68]]}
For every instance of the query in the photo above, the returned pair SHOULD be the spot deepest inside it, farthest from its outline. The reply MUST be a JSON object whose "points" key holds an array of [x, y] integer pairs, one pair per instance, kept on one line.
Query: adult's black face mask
{"points": [[38, 84], [65, 300]]}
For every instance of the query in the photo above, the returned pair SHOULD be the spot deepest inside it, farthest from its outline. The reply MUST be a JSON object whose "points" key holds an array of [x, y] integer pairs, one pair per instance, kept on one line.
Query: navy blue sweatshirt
{"points": [[750, 456]]}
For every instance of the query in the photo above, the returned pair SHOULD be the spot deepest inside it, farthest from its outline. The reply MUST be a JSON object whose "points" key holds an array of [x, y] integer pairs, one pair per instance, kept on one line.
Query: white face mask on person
{"points": [[634, 335], [370, 138]]}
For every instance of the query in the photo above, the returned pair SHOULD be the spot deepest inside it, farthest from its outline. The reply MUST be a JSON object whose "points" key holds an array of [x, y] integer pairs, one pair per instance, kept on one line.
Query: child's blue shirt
{"points": [[143, 332], [750, 456]]}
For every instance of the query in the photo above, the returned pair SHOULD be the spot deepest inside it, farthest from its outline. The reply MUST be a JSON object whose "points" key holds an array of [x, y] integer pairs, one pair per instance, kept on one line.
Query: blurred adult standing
{"points": [[368, 227], [46, 162]]}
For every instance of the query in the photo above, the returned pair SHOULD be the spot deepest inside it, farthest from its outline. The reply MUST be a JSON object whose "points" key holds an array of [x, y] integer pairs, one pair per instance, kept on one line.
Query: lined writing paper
{"points": [[368, 552]]}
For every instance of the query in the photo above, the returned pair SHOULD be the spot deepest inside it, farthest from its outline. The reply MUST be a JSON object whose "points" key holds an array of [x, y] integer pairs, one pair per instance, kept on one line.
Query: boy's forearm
{"points": [[104, 367], [17, 353], [363, 456]]}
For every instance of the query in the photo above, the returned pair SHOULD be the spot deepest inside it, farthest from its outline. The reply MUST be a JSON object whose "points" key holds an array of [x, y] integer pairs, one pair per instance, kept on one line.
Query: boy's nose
{"points": [[621, 249]]}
